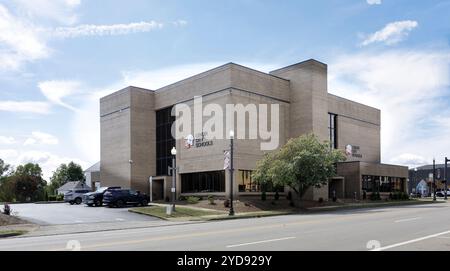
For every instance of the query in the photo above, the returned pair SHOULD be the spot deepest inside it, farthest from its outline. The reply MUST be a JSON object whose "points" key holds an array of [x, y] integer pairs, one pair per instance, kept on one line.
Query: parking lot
{"points": [[64, 213]]}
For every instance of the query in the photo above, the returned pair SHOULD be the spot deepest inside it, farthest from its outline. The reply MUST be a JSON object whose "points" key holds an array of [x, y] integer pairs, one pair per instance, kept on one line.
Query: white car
{"points": [[75, 196]]}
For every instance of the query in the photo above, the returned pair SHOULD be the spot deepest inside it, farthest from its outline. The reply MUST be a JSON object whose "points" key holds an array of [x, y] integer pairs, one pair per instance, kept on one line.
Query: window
{"points": [[203, 182], [247, 184], [332, 129], [382, 184], [164, 141]]}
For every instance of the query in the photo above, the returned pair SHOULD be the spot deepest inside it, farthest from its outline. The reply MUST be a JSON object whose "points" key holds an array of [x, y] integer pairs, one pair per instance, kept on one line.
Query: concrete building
{"points": [[92, 175], [136, 133]]}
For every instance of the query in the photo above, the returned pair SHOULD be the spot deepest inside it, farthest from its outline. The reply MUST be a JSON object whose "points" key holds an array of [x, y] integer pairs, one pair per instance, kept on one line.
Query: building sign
{"points": [[353, 151], [199, 141]]}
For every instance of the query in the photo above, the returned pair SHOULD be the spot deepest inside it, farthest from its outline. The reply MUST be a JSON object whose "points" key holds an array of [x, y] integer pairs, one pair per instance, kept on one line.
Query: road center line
{"points": [[407, 219], [411, 241], [260, 242]]}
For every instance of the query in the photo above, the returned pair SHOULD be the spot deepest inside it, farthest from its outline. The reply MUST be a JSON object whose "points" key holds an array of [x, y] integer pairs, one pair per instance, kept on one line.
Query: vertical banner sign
{"points": [[226, 160]]}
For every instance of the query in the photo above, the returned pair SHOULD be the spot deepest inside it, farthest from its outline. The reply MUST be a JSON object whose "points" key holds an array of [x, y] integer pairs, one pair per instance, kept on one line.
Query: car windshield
{"points": [[101, 189]]}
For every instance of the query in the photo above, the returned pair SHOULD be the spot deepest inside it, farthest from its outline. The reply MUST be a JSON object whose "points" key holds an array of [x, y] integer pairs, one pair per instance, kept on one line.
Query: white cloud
{"points": [[392, 33], [40, 138], [55, 91], [7, 140], [374, 2], [19, 42], [25, 107], [48, 161], [180, 23], [105, 30], [410, 88], [61, 11], [27, 27], [410, 160]]}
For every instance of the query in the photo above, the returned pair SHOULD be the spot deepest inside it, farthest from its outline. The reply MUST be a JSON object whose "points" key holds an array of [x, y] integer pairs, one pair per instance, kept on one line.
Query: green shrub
{"points": [[263, 196], [375, 196], [211, 200], [193, 200], [182, 198], [277, 196], [51, 197], [405, 196]]}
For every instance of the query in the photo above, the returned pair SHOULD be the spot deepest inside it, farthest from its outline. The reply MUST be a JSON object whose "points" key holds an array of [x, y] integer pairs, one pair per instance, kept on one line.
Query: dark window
{"points": [[382, 184], [332, 129], [203, 182], [164, 141]]}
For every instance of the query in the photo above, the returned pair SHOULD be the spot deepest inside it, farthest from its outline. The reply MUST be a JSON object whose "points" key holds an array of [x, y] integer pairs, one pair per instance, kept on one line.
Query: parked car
{"points": [[75, 196], [122, 197], [96, 198], [440, 194]]}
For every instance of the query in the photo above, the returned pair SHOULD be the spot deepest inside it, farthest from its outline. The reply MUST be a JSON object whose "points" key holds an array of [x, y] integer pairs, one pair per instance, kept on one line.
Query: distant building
{"points": [[424, 174], [71, 186], [92, 175]]}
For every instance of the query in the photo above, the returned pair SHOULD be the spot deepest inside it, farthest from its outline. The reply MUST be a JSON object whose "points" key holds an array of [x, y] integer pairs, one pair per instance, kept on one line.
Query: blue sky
{"points": [[57, 57]]}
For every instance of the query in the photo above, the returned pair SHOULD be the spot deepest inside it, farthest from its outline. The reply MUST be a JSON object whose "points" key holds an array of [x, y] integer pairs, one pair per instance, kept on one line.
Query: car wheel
{"points": [[78, 201], [120, 203], [71, 202], [144, 202], [97, 203]]}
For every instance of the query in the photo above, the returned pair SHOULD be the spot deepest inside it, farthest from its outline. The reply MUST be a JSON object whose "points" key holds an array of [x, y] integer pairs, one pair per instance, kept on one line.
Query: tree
{"points": [[65, 173], [28, 183], [302, 163], [3, 167], [6, 190]]}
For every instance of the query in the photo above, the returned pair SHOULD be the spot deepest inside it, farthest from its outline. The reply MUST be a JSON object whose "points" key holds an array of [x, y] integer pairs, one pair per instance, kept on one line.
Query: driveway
{"points": [[64, 213]]}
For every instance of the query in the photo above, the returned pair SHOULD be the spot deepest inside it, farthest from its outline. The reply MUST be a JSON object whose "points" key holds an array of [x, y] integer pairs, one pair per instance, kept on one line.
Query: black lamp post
{"points": [[445, 176], [231, 172], [434, 179]]}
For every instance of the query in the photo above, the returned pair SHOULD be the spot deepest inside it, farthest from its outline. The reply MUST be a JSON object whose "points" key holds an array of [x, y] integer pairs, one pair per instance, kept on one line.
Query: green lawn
{"points": [[160, 211]]}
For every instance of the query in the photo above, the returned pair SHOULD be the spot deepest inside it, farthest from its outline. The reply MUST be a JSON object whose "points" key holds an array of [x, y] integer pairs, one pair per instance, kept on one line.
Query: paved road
{"points": [[425, 227], [64, 213]]}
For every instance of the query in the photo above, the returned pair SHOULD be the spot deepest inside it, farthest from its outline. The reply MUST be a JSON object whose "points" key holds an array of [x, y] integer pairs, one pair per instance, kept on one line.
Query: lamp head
{"points": [[231, 134], [174, 151]]}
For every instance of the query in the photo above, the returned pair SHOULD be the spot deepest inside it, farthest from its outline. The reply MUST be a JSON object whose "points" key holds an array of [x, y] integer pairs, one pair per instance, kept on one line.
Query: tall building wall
{"points": [[127, 146], [308, 97]]}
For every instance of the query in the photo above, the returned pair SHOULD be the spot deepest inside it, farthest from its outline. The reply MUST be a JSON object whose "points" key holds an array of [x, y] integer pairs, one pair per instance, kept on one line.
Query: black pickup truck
{"points": [[96, 198], [122, 197]]}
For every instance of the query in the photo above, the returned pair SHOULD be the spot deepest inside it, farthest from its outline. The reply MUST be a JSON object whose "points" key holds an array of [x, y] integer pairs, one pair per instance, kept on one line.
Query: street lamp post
{"points": [[445, 176], [231, 172], [415, 181], [434, 179], [174, 176]]}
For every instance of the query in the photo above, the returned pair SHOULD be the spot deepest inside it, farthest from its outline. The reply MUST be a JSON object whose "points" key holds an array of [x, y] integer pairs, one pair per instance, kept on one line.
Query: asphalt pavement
{"points": [[418, 227], [64, 213]]}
